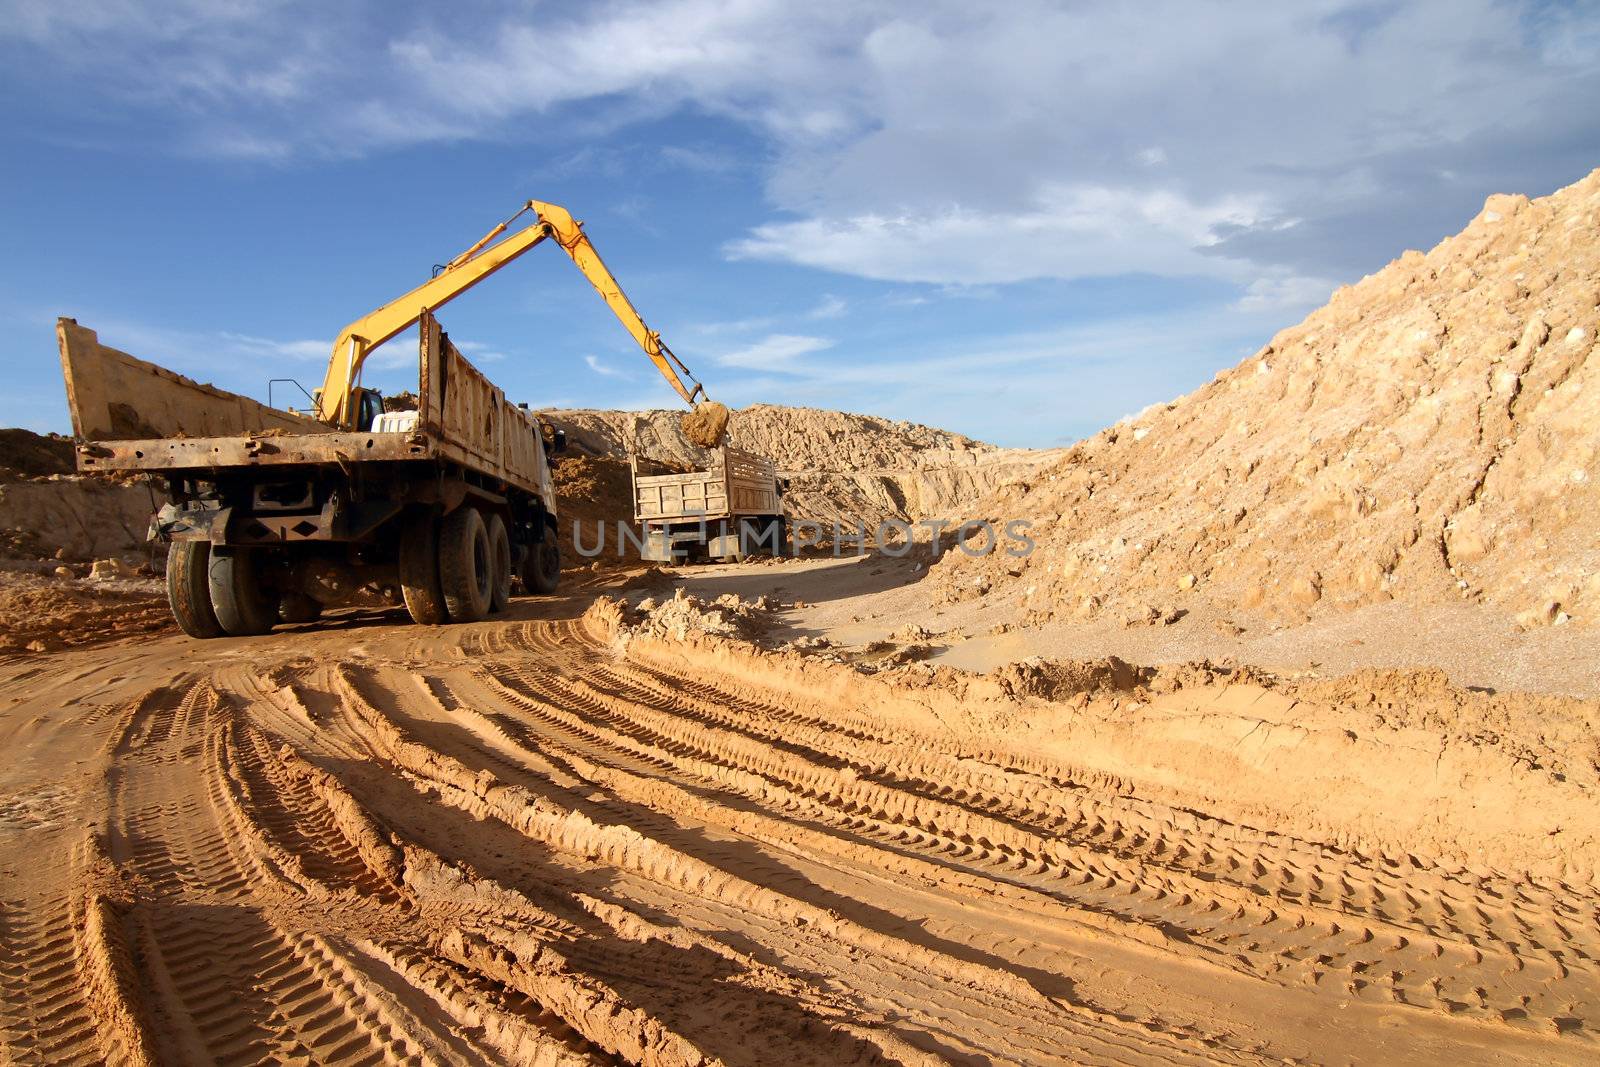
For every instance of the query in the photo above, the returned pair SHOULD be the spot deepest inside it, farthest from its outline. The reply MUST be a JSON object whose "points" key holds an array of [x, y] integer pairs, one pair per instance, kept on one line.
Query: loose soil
{"points": [[574, 836]]}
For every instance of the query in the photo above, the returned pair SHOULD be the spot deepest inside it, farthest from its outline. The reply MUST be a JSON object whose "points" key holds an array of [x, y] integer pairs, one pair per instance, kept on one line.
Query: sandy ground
{"points": [[855, 601], [551, 839]]}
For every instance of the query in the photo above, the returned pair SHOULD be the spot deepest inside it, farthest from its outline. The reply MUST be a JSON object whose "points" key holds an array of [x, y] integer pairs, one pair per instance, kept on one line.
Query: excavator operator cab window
{"points": [[371, 407]]}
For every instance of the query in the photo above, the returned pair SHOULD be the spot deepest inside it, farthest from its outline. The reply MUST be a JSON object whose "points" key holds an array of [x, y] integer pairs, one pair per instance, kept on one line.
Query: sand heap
{"points": [[1433, 432], [49, 513], [841, 466]]}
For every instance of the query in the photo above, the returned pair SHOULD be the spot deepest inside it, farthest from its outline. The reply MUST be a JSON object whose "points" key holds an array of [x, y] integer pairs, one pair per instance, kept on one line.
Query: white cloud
{"points": [[826, 308], [604, 369], [1287, 293], [1067, 232], [477, 351], [261, 346], [777, 351], [829, 307], [943, 142]]}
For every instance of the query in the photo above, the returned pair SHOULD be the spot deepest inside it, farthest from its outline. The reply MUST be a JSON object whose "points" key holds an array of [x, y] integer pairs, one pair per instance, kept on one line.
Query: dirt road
{"points": [[372, 843]]}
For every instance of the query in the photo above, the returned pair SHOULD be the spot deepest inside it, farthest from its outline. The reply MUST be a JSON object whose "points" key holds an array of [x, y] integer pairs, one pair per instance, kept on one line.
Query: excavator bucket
{"points": [[707, 424]]}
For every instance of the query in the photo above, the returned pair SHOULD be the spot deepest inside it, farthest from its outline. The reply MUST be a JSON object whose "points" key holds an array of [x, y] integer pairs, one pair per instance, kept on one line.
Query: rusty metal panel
{"points": [[132, 415], [115, 397], [201, 453], [473, 416], [430, 365], [473, 410]]}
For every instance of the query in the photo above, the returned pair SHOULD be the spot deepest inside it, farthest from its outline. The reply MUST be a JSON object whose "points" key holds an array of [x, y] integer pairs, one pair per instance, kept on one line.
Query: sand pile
{"points": [[728, 615], [45, 613], [1432, 433], [25, 454], [593, 492], [47, 512], [841, 466]]}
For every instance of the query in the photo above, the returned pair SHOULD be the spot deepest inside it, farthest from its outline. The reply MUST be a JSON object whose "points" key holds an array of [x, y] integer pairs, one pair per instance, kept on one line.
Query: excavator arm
{"points": [[336, 400]]}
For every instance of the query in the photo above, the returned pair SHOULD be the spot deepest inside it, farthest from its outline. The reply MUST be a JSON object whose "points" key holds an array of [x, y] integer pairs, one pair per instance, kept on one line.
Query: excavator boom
{"points": [[336, 400]]}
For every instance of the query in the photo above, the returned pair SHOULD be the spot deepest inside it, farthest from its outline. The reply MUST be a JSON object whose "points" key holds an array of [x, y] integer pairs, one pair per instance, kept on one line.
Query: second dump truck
{"points": [[727, 512], [273, 515]]}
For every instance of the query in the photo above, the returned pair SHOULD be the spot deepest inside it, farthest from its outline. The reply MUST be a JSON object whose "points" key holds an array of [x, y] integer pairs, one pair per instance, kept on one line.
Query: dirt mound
{"points": [[1432, 433], [72, 518], [25, 454], [728, 615], [841, 466], [42, 614], [592, 492]]}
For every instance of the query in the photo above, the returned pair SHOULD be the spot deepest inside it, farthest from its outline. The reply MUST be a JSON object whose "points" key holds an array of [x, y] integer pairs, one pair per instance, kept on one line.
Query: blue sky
{"points": [[1018, 221]]}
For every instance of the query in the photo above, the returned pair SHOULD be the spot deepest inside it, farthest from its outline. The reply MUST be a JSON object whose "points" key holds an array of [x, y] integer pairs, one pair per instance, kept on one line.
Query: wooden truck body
{"points": [[733, 508], [320, 511]]}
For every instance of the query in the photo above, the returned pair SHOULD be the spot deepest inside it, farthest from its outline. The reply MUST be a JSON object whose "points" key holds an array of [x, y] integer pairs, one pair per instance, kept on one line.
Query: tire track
{"points": [[1270, 932], [513, 843], [988, 994]]}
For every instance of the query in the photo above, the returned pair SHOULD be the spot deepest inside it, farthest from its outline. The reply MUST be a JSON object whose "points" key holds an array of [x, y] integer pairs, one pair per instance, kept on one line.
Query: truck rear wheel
{"points": [[542, 571], [237, 594], [466, 565], [419, 571], [297, 607], [500, 556], [189, 589]]}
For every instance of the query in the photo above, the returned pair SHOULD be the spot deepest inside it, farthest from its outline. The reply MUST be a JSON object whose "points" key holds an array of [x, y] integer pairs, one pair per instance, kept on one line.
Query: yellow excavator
{"points": [[339, 401]]}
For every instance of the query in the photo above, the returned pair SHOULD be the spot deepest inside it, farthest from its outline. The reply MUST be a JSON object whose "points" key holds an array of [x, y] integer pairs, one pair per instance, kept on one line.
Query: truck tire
{"points": [[189, 589], [776, 535], [542, 571], [500, 556], [237, 594], [419, 571], [466, 565], [297, 607], [730, 537]]}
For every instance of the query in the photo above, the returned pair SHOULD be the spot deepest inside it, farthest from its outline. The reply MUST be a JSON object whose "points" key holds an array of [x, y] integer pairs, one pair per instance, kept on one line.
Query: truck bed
{"points": [[737, 484], [132, 415]]}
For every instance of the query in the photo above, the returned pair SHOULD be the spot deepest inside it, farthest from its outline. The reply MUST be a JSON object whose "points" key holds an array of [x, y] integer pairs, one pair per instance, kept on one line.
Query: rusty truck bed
{"points": [[132, 415]]}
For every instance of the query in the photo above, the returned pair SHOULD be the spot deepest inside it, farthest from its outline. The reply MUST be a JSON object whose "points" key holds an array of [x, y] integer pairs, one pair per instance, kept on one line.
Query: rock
{"points": [[63, 572], [105, 570], [1306, 590], [1187, 582], [1142, 615], [36, 646], [1542, 615]]}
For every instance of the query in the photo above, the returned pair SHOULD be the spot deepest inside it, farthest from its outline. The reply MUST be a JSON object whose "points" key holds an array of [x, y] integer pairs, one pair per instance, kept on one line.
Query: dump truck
{"points": [[727, 512], [273, 515]]}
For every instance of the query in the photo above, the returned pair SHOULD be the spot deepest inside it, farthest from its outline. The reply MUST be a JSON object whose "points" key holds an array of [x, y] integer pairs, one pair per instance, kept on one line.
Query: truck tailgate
{"points": [[115, 397]]}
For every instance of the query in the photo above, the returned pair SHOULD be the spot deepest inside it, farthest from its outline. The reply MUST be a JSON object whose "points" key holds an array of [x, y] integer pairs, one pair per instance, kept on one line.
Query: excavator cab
{"points": [[369, 406]]}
